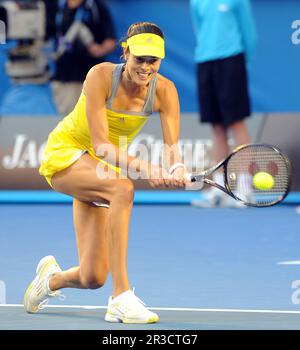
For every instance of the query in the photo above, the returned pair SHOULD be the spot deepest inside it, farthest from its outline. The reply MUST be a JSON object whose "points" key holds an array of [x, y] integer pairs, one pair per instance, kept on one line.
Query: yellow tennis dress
{"points": [[71, 137]]}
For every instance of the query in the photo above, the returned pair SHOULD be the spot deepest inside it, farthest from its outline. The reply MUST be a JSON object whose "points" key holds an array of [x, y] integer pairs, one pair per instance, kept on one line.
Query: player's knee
{"points": [[124, 191], [93, 280]]}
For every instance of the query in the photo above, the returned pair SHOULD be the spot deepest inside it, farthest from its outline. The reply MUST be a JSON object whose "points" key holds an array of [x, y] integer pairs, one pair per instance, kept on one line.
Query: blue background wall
{"points": [[274, 72]]}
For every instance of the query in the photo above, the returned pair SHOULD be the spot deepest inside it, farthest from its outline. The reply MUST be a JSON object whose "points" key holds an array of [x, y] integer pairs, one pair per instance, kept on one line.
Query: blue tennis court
{"points": [[218, 268]]}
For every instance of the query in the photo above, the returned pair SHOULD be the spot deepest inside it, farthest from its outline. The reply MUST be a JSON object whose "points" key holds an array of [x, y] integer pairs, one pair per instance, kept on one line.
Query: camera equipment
{"points": [[25, 22]]}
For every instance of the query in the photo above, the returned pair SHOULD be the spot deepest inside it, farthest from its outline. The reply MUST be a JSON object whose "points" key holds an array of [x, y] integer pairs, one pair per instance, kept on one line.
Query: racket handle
{"points": [[189, 177]]}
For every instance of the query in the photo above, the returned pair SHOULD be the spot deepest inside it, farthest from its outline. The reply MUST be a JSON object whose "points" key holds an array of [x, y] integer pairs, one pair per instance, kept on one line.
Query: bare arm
{"points": [[170, 122]]}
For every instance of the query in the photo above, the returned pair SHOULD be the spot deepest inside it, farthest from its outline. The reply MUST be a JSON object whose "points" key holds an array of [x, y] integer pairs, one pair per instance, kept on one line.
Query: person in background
{"points": [[85, 35], [225, 41]]}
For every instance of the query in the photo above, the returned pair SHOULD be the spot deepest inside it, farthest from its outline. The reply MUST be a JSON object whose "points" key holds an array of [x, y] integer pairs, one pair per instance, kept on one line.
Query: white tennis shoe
{"points": [[211, 198], [217, 199], [38, 293], [128, 308], [229, 202]]}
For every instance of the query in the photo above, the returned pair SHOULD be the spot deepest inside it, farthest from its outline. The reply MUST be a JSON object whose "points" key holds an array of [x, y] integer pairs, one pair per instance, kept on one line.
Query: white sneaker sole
{"points": [[28, 295], [118, 319], [39, 272]]}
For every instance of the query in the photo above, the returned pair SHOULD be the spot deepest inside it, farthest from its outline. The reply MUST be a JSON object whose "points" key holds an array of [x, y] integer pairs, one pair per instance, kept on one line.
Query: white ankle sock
{"points": [[49, 291], [122, 295]]}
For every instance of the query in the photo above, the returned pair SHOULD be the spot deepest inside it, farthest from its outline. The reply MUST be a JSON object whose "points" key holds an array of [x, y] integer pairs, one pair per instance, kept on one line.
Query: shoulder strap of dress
{"points": [[116, 77], [149, 103]]}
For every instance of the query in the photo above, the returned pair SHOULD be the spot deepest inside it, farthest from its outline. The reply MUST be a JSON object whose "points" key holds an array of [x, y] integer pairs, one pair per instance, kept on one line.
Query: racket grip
{"points": [[189, 177]]}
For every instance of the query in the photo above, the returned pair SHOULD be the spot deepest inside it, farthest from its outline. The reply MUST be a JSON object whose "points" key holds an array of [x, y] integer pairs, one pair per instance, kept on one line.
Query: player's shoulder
{"points": [[104, 68], [165, 86], [100, 76], [166, 93], [101, 73]]}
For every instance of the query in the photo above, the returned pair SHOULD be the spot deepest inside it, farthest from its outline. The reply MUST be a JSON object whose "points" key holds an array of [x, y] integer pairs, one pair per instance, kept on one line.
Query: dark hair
{"points": [[144, 27]]}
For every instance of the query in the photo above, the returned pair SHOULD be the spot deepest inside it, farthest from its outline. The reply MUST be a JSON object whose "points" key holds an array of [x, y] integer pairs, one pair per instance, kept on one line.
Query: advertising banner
{"points": [[22, 141]]}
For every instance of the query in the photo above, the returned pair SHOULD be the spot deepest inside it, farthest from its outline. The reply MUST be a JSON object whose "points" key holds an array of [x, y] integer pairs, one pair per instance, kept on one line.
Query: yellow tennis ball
{"points": [[263, 181]]}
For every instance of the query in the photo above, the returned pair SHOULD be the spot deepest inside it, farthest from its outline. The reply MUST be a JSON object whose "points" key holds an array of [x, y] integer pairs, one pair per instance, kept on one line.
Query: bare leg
{"points": [[220, 145], [90, 225], [240, 133], [117, 237], [98, 252]]}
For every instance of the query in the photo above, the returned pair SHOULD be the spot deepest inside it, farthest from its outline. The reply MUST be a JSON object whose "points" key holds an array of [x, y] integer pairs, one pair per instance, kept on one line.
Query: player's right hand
{"points": [[157, 176]]}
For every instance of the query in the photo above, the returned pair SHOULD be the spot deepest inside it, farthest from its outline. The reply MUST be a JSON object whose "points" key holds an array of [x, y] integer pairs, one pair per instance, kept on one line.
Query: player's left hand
{"points": [[178, 177]]}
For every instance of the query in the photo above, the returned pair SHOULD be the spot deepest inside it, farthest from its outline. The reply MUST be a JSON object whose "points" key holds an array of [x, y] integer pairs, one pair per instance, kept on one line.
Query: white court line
{"points": [[291, 262], [88, 307]]}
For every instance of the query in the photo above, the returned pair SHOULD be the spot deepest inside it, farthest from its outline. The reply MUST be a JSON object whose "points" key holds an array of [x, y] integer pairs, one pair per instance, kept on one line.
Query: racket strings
{"points": [[244, 164]]}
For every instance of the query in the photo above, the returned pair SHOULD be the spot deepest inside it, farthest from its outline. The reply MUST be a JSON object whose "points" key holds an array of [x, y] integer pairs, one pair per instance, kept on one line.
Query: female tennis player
{"points": [[86, 159]]}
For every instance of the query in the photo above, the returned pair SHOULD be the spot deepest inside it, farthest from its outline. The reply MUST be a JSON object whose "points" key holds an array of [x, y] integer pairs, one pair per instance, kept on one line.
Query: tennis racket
{"points": [[239, 169]]}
